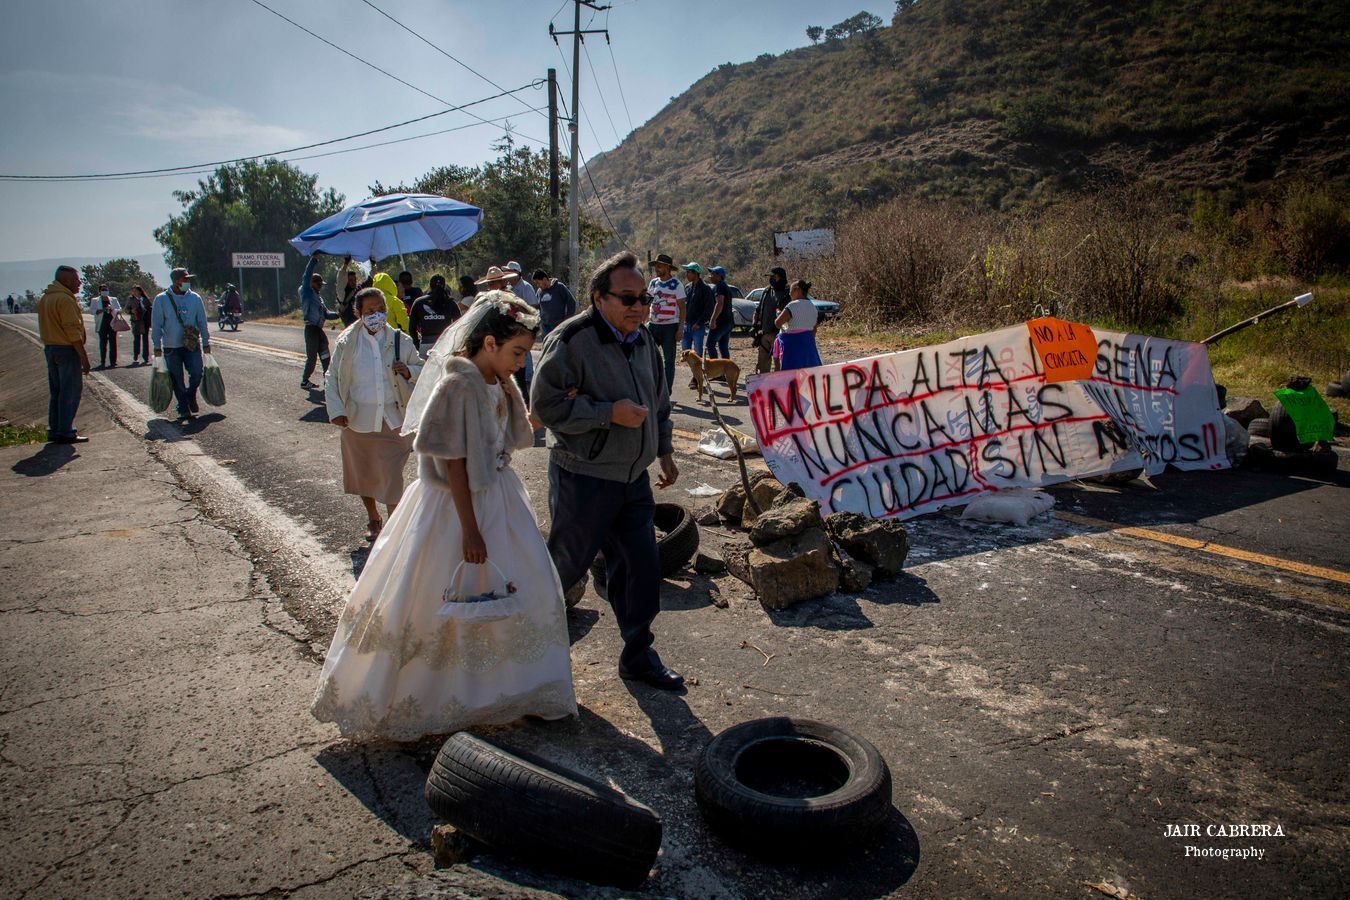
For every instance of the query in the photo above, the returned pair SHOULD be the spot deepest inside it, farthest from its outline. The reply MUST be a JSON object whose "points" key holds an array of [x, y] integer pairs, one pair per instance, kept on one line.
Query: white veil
{"points": [[453, 340]]}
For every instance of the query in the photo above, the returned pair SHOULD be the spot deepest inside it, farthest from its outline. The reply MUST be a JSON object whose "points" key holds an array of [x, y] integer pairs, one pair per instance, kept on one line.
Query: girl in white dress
{"points": [[458, 617]]}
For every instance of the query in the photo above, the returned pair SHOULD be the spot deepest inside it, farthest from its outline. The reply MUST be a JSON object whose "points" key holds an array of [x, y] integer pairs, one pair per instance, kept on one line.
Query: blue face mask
{"points": [[374, 321]]}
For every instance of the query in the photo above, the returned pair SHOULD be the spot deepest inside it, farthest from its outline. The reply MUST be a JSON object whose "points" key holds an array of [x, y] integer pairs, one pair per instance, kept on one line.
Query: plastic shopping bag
{"points": [[716, 442], [161, 386], [213, 385]]}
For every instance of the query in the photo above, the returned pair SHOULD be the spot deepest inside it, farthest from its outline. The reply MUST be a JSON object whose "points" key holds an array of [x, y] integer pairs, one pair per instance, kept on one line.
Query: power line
{"points": [[211, 165], [206, 171], [619, 82], [601, 94], [446, 54], [366, 62]]}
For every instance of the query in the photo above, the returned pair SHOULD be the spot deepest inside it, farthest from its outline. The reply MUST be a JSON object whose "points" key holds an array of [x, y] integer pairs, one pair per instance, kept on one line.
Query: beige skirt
{"points": [[372, 463]]}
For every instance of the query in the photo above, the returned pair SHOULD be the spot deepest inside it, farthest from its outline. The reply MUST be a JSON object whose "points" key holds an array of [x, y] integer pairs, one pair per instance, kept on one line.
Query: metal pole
{"points": [[574, 184], [278, 271], [241, 286], [555, 250], [658, 229]]}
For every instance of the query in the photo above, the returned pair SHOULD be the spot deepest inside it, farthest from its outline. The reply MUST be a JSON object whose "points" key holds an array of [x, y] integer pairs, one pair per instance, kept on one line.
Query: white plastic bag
{"points": [[703, 489], [1015, 506], [716, 442]]}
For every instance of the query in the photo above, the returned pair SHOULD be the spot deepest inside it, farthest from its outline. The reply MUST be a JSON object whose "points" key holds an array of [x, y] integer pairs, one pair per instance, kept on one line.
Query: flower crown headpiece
{"points": [[517, 310]]}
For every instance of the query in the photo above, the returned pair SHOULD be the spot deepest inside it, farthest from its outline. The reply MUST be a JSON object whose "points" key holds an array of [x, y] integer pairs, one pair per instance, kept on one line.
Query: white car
{"points": [[744, 309]]}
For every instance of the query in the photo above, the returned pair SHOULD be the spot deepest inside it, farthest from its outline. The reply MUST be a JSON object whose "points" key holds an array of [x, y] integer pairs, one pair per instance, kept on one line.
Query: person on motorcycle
{"points": [[231, 304]]}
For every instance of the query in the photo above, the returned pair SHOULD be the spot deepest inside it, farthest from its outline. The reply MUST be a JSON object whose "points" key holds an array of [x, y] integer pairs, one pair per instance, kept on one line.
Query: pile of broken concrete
{"points": [[790, 554]]}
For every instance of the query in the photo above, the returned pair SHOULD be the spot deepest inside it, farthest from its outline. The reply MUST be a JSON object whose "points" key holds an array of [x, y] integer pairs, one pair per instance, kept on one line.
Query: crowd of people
{"points": [[458, 617]]}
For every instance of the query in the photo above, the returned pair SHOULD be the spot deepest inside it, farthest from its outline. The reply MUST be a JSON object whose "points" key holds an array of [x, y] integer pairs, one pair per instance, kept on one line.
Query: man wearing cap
{"points": [[723, 316], [765, 329], [698, 307], [522, 288], [175, 314], [316, 312], [667, 317], [61, 326]]}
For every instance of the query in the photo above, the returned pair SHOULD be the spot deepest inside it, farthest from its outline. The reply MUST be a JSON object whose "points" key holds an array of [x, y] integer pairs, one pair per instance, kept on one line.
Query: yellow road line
{"points": [[1176, 540]]}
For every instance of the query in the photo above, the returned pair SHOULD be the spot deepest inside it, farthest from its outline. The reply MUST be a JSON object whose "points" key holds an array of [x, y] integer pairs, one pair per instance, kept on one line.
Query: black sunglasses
{"points": [[644, 298]]}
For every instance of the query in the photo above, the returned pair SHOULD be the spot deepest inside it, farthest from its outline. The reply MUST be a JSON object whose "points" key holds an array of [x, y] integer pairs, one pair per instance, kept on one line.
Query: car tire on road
{"points": [[542, 814], [781, 784], [1259, 428], [676, 541]]}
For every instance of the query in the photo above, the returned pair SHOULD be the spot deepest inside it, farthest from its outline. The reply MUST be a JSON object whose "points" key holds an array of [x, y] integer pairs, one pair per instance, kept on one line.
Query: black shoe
{"points": [[195, 408], [693, 383], [308, 385], [112, 365], [663, 677], [71, 439]]}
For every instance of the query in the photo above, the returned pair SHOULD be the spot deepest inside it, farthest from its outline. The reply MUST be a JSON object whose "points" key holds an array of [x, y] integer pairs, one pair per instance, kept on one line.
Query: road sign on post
{"points": [[258, 260], [242, 261]]}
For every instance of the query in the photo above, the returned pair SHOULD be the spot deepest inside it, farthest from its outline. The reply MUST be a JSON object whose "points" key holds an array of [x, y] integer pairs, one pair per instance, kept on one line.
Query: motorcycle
{"points": [[231, 319]]}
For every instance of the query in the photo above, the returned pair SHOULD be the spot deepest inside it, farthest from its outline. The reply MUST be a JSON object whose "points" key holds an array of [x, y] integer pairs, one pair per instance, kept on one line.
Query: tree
{"points": [[120, 275], [512, 191], [245, 207], [863, 23], [814, 32], [904, 6]]}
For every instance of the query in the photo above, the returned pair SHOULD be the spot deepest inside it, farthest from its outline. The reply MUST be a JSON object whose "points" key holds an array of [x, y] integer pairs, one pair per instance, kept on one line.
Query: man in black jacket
{"points": [[774, 301]]}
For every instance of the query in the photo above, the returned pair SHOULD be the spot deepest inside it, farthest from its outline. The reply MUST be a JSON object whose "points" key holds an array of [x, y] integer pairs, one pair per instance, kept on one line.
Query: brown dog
{"points": [[704, 369]]}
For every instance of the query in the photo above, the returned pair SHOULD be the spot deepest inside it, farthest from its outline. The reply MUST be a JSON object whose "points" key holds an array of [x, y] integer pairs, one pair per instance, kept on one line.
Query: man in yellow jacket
{"points": [[61, 326]]}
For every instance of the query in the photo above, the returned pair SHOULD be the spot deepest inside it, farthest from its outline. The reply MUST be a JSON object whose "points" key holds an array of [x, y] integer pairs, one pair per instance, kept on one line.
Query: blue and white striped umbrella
{"points": [[392, 225]]}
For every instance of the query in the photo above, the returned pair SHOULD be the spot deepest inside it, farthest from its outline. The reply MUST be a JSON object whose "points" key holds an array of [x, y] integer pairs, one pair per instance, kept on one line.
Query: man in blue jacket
{"points": [[316, 312], [176, 315]]}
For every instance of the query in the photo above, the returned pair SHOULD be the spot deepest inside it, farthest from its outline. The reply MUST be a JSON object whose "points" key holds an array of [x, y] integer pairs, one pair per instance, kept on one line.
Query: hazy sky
{"points": [[91, 86]]}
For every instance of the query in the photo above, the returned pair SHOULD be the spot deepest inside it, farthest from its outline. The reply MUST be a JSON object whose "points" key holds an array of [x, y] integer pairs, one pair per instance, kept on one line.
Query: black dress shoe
{"points": [[70, 439], [663, 677]]}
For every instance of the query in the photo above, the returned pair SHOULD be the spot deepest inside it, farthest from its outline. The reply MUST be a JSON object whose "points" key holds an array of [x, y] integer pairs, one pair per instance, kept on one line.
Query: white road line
{"points": [[185, 456]]}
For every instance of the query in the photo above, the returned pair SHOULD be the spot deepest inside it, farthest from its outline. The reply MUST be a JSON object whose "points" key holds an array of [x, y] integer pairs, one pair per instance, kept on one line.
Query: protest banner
{"points": [[908, 433]]}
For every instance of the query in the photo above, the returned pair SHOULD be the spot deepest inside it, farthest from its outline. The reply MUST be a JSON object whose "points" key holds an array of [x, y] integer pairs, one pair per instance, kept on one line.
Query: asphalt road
{"points": [[1050, 699]]}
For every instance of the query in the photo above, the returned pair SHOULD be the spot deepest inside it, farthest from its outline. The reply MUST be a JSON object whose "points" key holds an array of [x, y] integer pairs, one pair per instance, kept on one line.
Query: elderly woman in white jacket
{"points": [[369, 381]]}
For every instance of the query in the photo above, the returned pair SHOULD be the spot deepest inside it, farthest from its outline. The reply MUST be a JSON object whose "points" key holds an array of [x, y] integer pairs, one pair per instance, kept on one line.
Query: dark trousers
{"points": [[140, 343], [667, 336], [719, 342], [524, 376], [593, 514], [65, 382], [178, 360], [107, 343], [316, 348]]}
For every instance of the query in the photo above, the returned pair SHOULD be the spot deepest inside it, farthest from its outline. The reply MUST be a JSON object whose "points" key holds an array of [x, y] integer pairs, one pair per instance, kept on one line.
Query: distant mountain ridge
{"points": [[1003, 105], [16, 276]]}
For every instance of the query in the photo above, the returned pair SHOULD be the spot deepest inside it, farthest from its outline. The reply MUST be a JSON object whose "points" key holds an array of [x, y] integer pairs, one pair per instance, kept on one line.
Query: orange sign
{"points": [[1068, 350]]}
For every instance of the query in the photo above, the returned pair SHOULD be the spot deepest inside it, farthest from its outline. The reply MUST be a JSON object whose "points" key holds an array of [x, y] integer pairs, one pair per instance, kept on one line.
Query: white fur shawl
{"points": [[460, 421]]}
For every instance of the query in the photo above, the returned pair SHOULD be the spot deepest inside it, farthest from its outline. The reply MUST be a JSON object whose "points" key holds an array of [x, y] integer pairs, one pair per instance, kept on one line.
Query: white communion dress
{"points": [[412, 656]]}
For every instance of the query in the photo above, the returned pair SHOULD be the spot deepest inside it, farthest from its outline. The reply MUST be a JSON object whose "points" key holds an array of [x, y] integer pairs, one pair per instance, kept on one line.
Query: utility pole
{"points": [[554, 249], [574, 129]]}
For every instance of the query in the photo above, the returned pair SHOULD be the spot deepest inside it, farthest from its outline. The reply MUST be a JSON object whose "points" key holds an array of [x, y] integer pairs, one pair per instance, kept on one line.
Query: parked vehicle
{"points": [[745, 309]]}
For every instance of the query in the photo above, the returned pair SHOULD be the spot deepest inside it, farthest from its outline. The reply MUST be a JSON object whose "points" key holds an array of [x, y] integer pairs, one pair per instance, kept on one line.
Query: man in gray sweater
{"points": [[600, 389]]}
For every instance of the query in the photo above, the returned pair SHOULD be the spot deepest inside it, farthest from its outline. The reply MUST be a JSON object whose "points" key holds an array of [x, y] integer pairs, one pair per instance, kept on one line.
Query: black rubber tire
{"points": [[676, 541], [1336, 389], [847, 816], [1345, 382], [1259, 427], [541, 814], [1283, 432]]}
